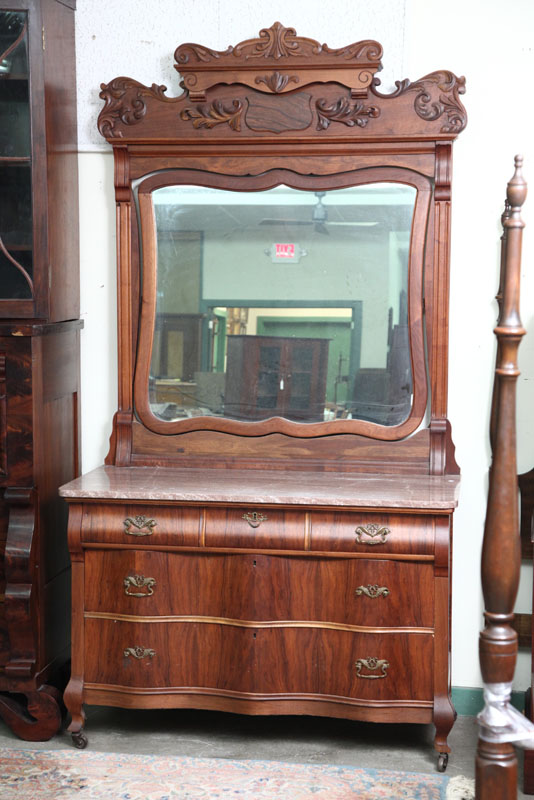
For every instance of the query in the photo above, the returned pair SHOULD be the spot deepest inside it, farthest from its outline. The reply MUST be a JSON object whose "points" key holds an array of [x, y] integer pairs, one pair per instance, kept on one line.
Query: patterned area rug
{"points": [[69, 774]]}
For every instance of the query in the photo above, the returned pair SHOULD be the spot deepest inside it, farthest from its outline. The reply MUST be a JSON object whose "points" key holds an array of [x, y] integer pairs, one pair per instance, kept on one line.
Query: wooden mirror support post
{"points": [[501, 726], [276, 553]]}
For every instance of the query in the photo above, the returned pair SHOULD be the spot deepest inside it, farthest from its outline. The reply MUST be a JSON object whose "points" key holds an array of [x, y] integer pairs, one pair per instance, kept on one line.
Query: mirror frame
{"points": [[299, 112], [261, 182]]}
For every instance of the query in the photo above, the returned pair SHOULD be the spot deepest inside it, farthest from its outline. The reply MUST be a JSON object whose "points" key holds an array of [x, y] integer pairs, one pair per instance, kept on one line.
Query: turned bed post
{"points": [[496, 762]]}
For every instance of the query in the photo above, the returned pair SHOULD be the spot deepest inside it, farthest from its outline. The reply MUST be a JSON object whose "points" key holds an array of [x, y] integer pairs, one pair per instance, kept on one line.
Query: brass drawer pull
{"points": [[139, 652], [371, 664], [139, 526], [254, 519], [372, 590], [139, 582], [372, 534]]}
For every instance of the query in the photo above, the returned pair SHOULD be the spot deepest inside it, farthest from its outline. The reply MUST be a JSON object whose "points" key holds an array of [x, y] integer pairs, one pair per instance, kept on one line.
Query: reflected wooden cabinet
{"points": [[286, 376], [39, 354], [253, 554]]}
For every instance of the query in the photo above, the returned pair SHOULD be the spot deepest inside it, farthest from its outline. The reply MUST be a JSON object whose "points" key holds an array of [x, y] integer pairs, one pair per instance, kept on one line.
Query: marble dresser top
{"points": [[438, 492]]}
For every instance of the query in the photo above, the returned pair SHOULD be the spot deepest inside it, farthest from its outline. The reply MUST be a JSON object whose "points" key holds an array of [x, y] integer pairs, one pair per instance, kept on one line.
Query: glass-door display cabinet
{"points": [[39, 346], [271, 533]]}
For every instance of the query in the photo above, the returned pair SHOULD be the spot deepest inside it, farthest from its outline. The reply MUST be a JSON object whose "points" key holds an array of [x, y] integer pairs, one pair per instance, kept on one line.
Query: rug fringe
{"points": [[461, 788]]}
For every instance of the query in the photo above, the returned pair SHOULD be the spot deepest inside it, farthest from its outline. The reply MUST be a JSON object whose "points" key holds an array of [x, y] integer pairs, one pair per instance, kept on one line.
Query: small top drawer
{"points": [[372, 533], [141, 524], [255, 527]]}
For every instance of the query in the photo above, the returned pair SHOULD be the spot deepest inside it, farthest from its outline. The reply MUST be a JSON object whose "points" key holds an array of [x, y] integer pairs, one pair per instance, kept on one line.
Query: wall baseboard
{"points": [[468, 702]]}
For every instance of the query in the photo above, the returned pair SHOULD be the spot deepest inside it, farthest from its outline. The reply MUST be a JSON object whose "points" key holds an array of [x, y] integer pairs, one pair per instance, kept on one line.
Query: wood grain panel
{"points": [[18, 382], [264, 660], [255, 526], [174, 525], [375, 533], [261, 587], [342, 453]]}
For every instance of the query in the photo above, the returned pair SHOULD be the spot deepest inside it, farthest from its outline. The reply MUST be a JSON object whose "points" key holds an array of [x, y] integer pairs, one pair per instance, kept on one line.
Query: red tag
{"points": [[284, 250]]}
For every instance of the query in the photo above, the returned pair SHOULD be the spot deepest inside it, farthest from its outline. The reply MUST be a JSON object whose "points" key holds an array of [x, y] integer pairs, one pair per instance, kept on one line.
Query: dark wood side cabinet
{"points": [[255, 562], [284, 376], [39, 353]]}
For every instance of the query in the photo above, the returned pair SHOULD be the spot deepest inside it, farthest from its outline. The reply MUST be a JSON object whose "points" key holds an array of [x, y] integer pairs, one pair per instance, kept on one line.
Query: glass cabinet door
{"points": [[16, 262]]}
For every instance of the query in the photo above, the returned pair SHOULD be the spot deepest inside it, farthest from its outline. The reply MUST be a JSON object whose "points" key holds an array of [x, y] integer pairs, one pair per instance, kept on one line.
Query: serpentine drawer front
{"points": [[352, 531], [141, 524], [360, 592], [270, 660], [255, 526]]}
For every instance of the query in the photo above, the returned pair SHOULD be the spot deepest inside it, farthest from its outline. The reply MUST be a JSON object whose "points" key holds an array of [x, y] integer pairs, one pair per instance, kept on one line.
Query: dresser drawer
{"points": [[344, 591], [259, 660], [376, 533], [255, 527], [141, 524]]}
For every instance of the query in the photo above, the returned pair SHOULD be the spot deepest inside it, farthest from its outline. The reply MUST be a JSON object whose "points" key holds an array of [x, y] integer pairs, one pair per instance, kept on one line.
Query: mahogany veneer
{"points": [[39, 354], [261, 607], [266, 565]]}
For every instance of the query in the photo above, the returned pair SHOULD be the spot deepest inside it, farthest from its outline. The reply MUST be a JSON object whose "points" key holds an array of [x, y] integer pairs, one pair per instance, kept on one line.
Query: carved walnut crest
{"points": [[427, 105], [124, 102], [274, 63]]}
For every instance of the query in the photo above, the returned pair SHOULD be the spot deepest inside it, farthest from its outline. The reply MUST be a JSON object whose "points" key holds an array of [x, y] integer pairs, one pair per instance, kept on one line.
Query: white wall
{"points": [[488, 41]]}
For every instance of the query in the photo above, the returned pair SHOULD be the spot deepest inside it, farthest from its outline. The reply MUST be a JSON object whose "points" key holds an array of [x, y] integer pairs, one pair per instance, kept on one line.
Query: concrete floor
{"points": [[295, 739]]}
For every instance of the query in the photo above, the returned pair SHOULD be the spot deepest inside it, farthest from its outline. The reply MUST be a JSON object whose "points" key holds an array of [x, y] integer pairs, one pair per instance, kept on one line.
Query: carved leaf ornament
{"points": [[215, 114], [344, 111], [276, 82]]}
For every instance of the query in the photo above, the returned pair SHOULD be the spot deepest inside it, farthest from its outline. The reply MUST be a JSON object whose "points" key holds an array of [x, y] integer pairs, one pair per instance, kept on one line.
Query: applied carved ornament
{"points": [[427, 105], [278, 42], [215, 114], [276, 82], [124, 102], [345, 111]]}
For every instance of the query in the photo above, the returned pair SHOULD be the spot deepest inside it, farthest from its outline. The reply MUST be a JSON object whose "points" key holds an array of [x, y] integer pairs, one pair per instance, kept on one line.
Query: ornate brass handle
{"points": [[372, 590], [139, 526], [372, 534], [139, 652], [371, 664], [139, 582], [254, 519]]}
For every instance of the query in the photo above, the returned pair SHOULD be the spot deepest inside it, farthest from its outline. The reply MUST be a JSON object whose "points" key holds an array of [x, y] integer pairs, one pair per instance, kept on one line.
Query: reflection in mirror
{"points": [[283, 302]]}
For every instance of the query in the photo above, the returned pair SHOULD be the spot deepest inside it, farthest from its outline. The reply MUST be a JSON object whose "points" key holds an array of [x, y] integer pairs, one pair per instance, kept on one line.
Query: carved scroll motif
{"points": [[204, 54], [279, 42], [427, 105], [345, 111], [215, 114], [124, 103]]}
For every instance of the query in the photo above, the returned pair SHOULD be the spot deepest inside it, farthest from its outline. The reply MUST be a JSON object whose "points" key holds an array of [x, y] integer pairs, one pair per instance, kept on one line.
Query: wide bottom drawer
{"points": [[255, 659], [351, 591]]}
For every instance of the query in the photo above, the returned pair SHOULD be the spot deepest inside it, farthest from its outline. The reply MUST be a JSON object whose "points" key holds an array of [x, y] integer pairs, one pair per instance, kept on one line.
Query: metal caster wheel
{"points": [[80, 740], [443, 760]]}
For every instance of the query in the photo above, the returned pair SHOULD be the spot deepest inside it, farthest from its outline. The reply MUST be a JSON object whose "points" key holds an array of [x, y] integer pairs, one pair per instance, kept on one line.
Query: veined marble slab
{"points": [[266, 487]]}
